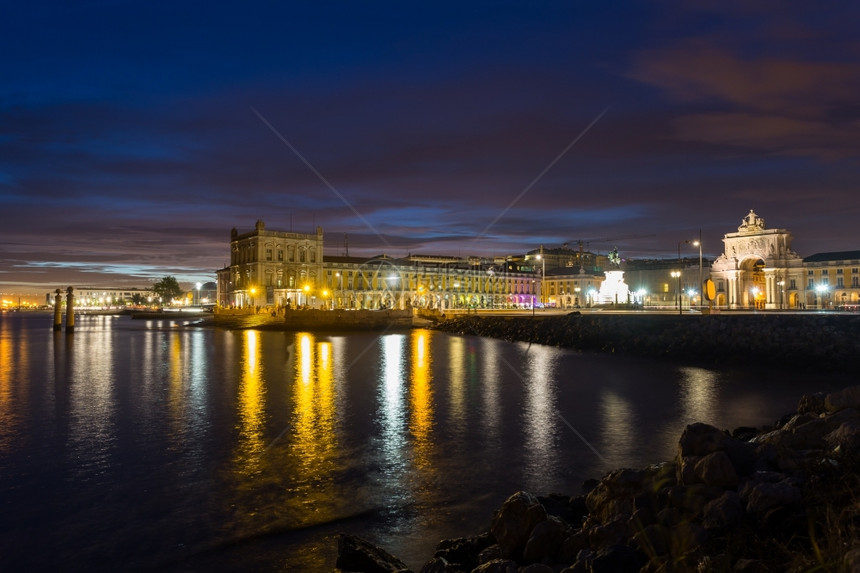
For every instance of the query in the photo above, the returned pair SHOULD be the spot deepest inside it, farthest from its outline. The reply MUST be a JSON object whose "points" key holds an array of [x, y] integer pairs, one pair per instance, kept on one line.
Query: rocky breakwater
{"points": [[780, 498], [825, 342]]}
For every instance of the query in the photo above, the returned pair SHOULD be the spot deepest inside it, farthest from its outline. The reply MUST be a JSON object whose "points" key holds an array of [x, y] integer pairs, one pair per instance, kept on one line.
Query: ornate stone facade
{"points": [[758, 268]]}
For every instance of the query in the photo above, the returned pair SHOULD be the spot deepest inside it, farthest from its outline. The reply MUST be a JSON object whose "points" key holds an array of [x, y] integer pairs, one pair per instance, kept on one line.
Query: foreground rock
{"points": [[777, 499]]}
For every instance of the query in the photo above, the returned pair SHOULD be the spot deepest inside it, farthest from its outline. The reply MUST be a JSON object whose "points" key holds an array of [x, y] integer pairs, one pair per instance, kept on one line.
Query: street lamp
{"points": [[781, 285], [680, 266], [701, 283], [542, 274], [198, 293], [677, 275], [821, 290]]}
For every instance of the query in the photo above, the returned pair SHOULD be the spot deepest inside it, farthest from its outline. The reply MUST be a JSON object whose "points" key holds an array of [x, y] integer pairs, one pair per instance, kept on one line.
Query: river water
{"points": [[159, 445]]}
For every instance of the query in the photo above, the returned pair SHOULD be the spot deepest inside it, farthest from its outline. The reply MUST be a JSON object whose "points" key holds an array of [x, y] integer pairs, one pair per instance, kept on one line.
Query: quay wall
{"points": [[818, 343]]}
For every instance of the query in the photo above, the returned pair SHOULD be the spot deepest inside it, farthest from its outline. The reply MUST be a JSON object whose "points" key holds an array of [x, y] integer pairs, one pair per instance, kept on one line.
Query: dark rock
{"points": [[571, 546], [846, 437], [441, 565], [811, 403], [745, 433], [562, 506], [692, 498], [545, 540], [537, 568], [845, 398], [686, 537], [724, 512], [578, 510], [356, 554], [617, 559], [765, 496], [851, 561], [489, 554], [703, 439], [497, 566], [716, 469], [614, 494], [463, 552], [611, 533], [513, 523], [750, 566], [653, 540]]}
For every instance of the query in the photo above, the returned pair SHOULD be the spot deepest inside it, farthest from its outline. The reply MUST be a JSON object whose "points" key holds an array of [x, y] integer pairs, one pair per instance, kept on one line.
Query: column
{"points": [[70, 310], [58, 310]]}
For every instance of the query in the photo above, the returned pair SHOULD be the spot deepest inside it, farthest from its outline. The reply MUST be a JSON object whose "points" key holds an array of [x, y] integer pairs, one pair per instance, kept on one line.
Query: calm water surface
{"points": [[155, 445]]}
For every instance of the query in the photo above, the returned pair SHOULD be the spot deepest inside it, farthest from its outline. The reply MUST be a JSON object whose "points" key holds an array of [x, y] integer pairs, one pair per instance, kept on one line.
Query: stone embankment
{"points": [[781, 498], [822, 342]]}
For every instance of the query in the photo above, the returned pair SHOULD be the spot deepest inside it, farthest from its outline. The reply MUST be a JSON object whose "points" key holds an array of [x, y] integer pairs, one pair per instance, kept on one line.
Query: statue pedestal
{"points": [[613, 289]]}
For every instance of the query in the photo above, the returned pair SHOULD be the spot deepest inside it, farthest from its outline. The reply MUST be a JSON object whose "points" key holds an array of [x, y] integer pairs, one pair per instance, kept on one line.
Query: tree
{"points": [[167, 289]]}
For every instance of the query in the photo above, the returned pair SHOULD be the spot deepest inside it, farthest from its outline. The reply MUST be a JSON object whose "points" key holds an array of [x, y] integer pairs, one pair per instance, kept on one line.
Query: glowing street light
{"points": [[698, 243], [821, 290], [677, 275]]}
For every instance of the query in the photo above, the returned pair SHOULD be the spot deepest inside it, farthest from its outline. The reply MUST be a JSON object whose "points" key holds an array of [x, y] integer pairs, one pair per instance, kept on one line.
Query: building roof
{"points": [[834, 256]]}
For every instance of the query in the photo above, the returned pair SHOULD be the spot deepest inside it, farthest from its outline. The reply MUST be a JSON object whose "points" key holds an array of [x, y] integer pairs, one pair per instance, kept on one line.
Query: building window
{"points": [[811, 284], [268, 254], [838, 271], [855, 282], [291, 253], [313, 256], [840, 282], [280, 255], [810, 272], [301, 255], [824, 272], [793, 284]]}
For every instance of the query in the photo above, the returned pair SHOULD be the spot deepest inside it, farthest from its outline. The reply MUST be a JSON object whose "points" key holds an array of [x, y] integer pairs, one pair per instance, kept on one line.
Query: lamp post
{"points": [[533, 298], [680, 267], [677, 275], [821, 290], [542, 274], [198, 293], [698, 243]]}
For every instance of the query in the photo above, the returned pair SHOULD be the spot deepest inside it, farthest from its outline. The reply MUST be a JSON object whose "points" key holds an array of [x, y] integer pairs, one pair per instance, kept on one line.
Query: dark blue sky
{"points": [[135, 135]]}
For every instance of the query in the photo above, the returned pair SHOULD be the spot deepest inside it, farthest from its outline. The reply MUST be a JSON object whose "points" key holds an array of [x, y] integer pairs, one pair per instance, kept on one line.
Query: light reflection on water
{"points": [[164, 446]]}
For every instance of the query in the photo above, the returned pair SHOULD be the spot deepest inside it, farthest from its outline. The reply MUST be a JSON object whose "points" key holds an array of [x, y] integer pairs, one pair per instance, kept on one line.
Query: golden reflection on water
{"points": [[490, 392], [392, 416], [421, 400], [618, 432], [698, 395], [7, 377], [92, 399], [540, 422], [175, 382], [251, 405], [314, 443], [457, 389]]}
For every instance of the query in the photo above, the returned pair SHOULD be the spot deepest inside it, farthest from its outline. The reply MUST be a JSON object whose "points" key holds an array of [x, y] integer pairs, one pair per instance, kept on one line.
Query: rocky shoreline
{"points": [[781, 498], [819, 342], [777, 498]]}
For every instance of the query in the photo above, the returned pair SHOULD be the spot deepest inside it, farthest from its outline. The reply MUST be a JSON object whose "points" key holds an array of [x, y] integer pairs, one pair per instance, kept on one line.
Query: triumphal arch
{"points": [[758, 269]]}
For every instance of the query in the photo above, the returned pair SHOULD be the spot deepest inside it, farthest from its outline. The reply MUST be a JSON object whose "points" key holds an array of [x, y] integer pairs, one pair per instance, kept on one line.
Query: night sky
{"points": [[135, 135]]}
